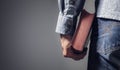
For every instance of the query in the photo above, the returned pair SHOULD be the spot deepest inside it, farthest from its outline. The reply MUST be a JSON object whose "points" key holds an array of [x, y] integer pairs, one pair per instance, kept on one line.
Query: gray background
{"points": [[27, 36]]}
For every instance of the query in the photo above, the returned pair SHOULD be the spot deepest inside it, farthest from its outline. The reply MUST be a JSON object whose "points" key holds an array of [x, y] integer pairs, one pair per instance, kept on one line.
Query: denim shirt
{"points": [[68, 13], [69, 10]]}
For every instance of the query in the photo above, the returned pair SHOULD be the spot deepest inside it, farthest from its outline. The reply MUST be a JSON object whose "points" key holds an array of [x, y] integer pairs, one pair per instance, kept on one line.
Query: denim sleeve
{"points": [[68, 13]]}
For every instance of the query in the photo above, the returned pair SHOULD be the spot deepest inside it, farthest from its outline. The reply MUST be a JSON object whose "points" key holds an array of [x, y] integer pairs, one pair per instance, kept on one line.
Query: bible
{"points": [[82, 32]]}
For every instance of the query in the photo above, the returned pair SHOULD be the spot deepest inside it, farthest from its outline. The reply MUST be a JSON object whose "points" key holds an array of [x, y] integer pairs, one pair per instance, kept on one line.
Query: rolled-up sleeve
{"points": [[68, 13]]}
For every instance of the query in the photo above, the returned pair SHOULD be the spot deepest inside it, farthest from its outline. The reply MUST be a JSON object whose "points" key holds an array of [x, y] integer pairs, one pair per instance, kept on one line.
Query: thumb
{"points": [[65, 52]]}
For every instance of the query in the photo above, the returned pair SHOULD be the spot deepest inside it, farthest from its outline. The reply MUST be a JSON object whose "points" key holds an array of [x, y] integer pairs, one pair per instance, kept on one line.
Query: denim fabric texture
{"points": [[105, 40], [69, 11]]}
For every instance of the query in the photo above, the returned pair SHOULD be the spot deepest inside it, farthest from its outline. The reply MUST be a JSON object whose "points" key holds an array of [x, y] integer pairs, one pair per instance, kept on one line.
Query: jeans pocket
{"points": [[107, 44]]}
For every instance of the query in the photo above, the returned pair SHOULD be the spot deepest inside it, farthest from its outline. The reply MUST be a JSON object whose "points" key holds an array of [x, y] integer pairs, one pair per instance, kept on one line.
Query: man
{"points": [[105, 39]]}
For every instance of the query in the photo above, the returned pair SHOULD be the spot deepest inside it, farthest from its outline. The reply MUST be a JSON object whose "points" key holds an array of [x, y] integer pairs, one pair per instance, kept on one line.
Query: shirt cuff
{"points": [[65, 25]]}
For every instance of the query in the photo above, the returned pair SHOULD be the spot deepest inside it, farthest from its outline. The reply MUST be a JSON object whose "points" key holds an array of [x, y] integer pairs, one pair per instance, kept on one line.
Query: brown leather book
{"points": [[82, 31]]}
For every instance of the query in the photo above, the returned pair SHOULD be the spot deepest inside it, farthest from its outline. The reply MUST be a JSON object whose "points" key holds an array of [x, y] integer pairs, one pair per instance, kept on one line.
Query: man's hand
{"points": [[66, 48]]}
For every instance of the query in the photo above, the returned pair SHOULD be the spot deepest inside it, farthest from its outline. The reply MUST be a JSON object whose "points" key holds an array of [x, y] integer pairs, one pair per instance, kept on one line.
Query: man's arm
{"points": [[67, 20], [68, 12]]}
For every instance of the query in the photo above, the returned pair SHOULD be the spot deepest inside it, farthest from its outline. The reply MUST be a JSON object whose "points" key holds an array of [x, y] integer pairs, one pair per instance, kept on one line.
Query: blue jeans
{"points": [[105, 45]]}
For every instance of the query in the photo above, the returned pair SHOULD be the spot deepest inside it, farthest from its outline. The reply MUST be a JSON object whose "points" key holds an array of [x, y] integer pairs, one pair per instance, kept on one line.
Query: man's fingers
{"points": [[78, 57], [69, 53], [66, 48]]}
